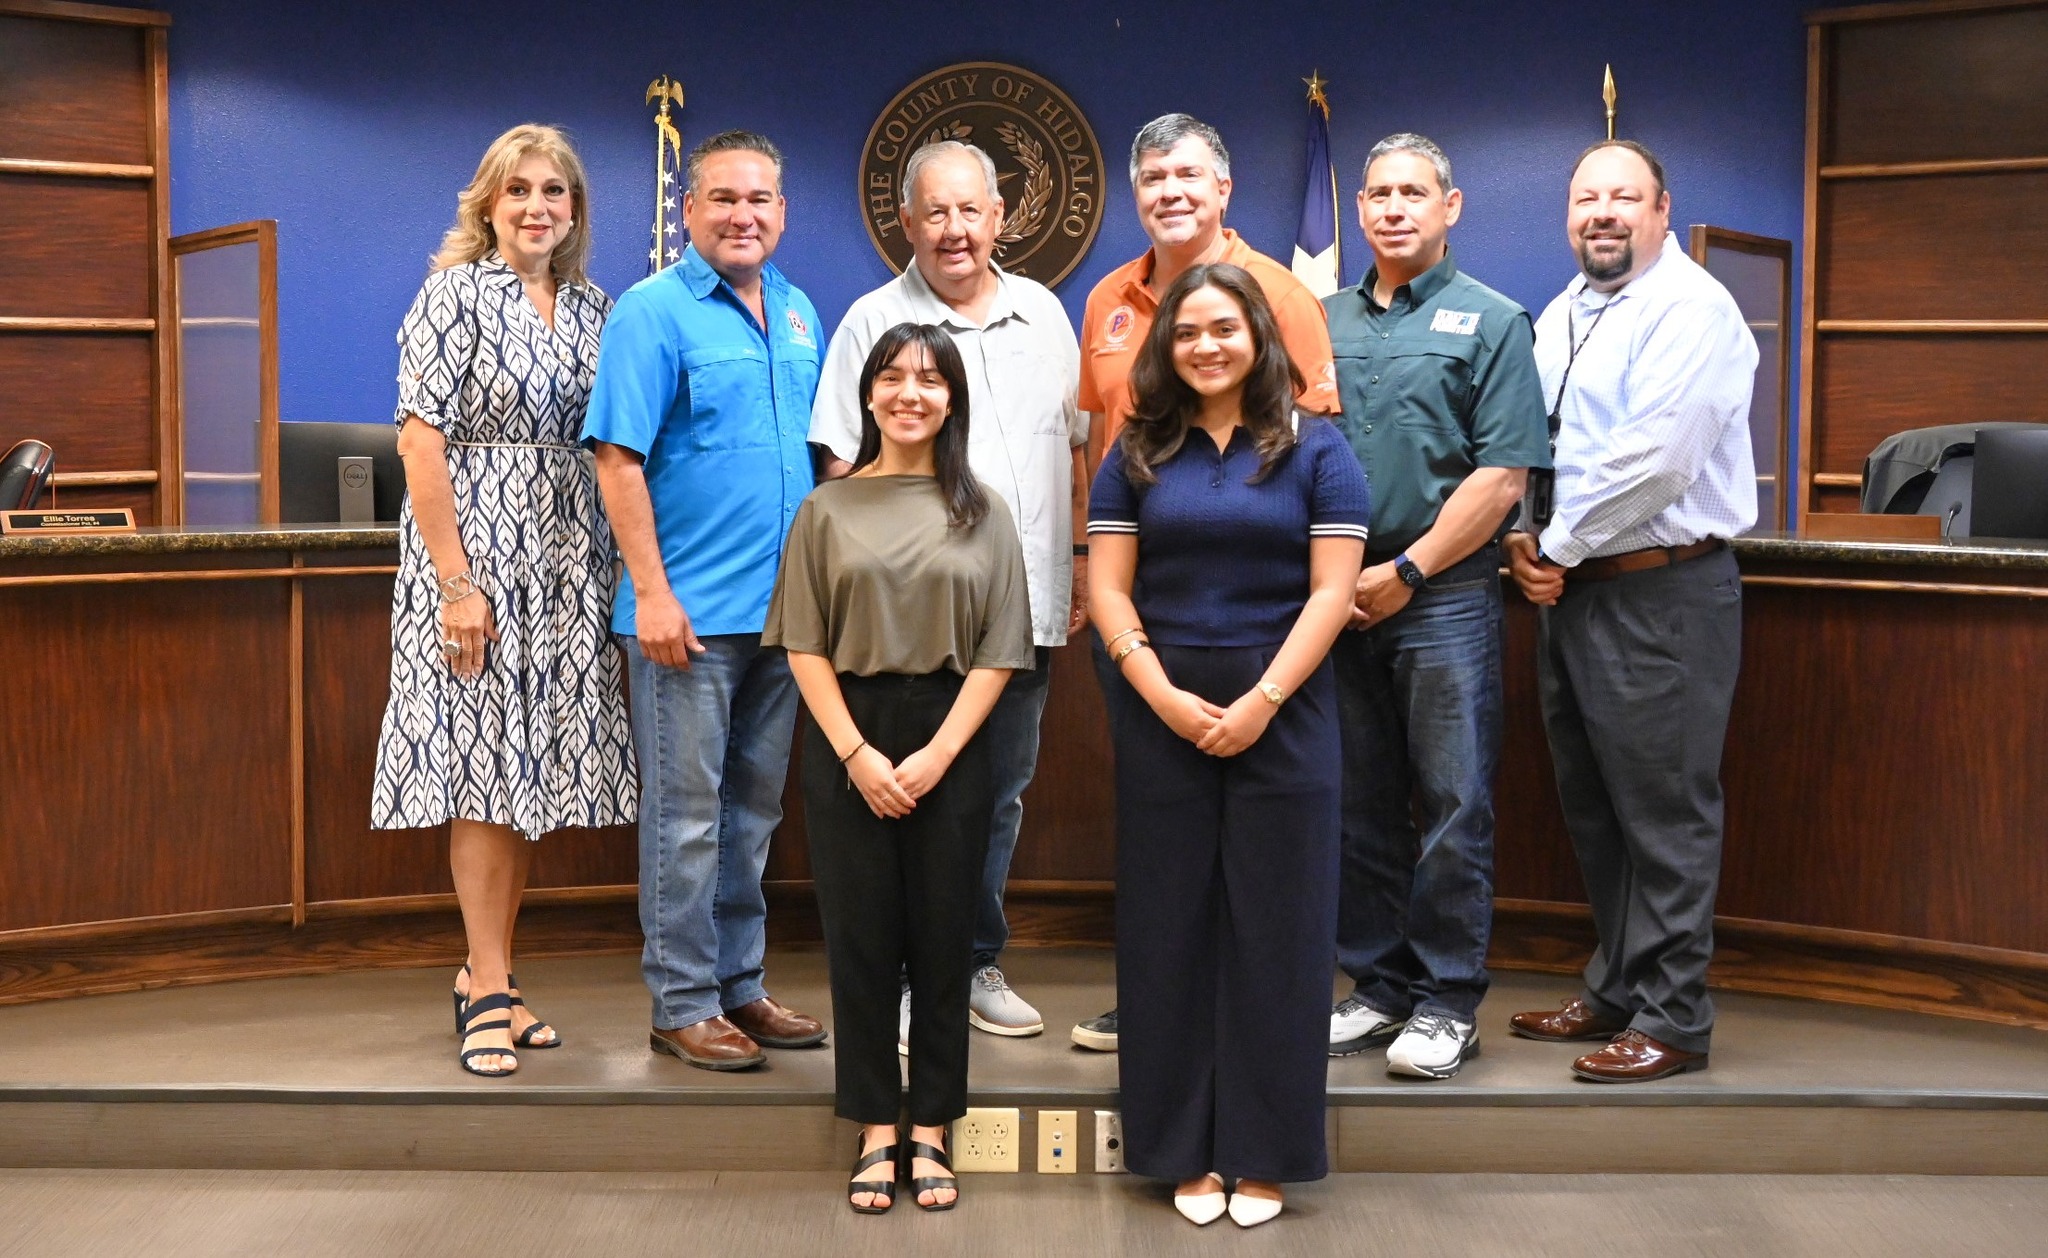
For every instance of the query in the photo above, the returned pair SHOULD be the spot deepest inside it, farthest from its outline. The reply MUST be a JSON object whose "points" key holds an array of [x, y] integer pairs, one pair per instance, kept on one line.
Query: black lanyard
{"points": [[1571, 336]]}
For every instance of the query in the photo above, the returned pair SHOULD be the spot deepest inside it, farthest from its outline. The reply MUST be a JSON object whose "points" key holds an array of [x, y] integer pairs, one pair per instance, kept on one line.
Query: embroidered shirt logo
{"points": [[1118, 329], [800, 329], [1457, 322]]}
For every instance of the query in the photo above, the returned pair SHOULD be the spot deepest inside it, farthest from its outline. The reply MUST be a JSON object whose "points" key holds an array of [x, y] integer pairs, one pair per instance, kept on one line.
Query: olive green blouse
{"points": [[874, 580]]}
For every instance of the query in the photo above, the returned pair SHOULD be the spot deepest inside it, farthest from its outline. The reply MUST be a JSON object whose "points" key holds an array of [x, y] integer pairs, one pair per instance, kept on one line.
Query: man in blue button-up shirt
{"points": [[698, 417]]}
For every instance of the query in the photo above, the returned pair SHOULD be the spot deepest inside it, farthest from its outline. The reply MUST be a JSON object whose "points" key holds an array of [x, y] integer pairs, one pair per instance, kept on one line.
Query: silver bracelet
{"points": [[458, 587]]}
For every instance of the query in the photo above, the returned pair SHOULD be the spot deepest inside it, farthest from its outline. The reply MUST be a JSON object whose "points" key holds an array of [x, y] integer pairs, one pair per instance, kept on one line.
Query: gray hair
{"points": [[732, 142], [1167, 130], [1422, 146], [937, 149]]}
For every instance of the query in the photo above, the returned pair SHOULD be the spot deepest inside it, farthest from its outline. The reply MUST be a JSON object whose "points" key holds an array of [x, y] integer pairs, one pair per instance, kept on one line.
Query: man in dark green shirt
{"points": [[1437, 379]]}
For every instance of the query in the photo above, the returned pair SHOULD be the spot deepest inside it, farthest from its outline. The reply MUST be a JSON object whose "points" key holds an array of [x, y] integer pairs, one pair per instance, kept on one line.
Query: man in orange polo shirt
{"points": [[1180, 174]]}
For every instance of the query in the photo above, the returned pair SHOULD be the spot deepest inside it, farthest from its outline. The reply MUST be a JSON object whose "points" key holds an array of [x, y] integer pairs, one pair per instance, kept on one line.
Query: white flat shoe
{"points": [[1252, 1211], [1201, 1208]]}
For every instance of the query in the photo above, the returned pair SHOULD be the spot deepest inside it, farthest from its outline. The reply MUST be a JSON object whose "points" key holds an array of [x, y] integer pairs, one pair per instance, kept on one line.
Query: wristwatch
{"points": [[1274, 695], [1411, 576]]}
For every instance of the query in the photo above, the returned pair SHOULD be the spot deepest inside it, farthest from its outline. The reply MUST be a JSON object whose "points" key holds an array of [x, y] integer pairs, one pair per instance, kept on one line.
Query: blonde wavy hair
{"points": [[472, 238]]}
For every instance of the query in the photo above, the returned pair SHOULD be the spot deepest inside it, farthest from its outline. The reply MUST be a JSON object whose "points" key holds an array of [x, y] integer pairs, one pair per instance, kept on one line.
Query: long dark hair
{"points": [[966, 504], [1164, 405]]}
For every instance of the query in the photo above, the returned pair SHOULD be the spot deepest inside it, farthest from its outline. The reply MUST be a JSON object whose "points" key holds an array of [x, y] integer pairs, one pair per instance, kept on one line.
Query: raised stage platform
{"points": [[357, 1071]]}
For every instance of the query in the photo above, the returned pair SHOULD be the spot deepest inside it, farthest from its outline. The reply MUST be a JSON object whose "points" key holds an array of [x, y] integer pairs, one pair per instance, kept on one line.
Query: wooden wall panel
{"points": [[1871, 386], [1939, 88], [76, 248], [89, 397], [73, 92], [141, 499], [147, 766], [1952, 247], [348, 678], [1869, 789], [1910, 799]]}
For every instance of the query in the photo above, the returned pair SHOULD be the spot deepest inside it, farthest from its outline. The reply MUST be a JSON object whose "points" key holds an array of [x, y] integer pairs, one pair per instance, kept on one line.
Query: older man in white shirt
{"points": [[1027, 442], [1647, 365]]}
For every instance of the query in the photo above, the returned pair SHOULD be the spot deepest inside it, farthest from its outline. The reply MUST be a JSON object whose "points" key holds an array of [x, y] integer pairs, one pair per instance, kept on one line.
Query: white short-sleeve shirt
{"points": [[1023, 370]]}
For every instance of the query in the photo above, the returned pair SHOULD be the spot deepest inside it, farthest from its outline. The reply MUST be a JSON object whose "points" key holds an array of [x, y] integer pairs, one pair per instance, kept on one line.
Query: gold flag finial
{"points": [[1316, 83], [1607, 94], [668, 168]]}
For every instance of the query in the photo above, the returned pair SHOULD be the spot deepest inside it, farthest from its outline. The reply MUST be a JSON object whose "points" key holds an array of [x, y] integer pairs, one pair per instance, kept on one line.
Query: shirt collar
{"points": [[1420, 289], [495, 270], [1235, 251], [1644, 285], [929, 307], [700, 279]]}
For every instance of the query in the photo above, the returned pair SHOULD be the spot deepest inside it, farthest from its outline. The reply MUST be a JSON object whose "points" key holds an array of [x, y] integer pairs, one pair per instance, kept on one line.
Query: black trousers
{"points": [[897, 897], [1636, 676], [1226, 912]]}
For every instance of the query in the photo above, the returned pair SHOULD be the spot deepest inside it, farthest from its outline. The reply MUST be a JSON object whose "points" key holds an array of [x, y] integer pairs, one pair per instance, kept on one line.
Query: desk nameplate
{"points": [[114, 520]]}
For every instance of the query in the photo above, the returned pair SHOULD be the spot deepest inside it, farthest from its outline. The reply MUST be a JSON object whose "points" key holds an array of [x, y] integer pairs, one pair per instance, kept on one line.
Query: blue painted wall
{"points": [[354, 125]]}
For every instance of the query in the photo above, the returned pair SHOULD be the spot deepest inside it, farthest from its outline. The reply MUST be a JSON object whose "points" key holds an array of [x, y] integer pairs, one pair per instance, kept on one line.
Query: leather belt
{"points": [[1608, 567]]}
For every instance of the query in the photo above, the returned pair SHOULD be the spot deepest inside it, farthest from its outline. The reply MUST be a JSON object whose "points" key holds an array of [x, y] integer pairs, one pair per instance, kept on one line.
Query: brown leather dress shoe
{"points": [[776, 1027], [1575, 1021], [713, 1044], [1636, 1058]]}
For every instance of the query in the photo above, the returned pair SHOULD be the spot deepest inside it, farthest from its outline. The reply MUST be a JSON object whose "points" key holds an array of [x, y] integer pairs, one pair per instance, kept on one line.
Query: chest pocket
{"points": [[1433, 377], [729, 396], [796, 383], [1031, 392]]}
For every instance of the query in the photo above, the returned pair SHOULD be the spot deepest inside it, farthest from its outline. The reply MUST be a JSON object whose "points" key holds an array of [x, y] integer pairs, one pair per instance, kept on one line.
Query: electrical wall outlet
{"points": [[1109, 1142], [987, 1140], [1057, 1131]]}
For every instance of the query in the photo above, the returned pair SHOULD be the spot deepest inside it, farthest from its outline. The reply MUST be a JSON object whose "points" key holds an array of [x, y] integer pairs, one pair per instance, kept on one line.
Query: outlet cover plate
{"points": [[987, 1140], [1109, 1141], [1057, 1132]]}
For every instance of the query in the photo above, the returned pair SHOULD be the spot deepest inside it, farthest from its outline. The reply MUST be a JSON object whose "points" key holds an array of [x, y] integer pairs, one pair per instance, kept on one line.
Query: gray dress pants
{"points": [[1636, 676]]}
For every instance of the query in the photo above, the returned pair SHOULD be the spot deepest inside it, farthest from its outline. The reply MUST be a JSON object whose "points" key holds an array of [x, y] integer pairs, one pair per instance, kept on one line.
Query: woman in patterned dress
{"points": [[507, 719]]}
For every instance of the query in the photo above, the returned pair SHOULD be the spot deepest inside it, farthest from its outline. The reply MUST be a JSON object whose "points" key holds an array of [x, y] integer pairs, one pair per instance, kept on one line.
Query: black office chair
{"points": [[2011, 491], [1950, 493], [24, 470]]}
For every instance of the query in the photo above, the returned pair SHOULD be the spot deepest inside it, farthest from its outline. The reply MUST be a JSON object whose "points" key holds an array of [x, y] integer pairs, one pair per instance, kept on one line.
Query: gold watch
{"points": [[1274, 695]]}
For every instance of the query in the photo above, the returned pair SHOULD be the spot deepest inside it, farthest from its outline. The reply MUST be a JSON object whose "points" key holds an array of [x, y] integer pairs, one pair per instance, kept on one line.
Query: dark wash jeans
{"points": [[1419, 701]]}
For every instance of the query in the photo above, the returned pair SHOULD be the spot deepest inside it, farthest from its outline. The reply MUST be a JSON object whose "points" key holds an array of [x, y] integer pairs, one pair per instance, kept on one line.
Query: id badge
{"points": [[1542, 490]]}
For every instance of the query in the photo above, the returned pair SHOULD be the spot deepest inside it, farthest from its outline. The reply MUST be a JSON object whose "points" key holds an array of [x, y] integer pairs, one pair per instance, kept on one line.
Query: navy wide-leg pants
{"points": [[1226, 913]]}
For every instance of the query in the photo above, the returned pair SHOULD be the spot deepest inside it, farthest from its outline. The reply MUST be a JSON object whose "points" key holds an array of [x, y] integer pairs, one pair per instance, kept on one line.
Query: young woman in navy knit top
{"points": [[1226, 534]]}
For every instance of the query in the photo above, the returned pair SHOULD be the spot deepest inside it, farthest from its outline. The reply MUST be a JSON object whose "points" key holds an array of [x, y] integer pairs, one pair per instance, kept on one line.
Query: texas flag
{"points": [[1315, 242]]}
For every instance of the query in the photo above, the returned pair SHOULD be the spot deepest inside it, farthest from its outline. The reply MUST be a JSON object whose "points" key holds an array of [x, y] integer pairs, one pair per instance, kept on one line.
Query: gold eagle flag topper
{"points": [[1607, 94], [668, 242]]}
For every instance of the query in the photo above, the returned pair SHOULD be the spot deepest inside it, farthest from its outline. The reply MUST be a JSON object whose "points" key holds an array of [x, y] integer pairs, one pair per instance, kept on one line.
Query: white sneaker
{"points": [[903, 1025], [1356, 1026], [1434, 1046], [993, 1007]]}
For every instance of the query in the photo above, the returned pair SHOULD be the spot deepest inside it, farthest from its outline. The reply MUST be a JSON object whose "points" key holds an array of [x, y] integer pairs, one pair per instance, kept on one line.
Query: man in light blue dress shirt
{"points": [[1647, 367], [698, 415]]}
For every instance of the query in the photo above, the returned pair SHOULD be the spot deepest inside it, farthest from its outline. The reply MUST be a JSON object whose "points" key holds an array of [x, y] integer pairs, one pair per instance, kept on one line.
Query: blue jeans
{"points": [[1011, 733], [714, 749], [1419, 698]]}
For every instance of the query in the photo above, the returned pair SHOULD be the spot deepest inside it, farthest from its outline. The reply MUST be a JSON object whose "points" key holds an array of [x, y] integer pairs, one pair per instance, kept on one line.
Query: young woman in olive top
{"points": [[902, 605]]}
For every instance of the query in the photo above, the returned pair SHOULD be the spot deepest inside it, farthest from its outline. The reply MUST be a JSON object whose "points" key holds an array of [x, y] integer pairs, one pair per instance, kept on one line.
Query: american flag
{"points": [[669, 237]]}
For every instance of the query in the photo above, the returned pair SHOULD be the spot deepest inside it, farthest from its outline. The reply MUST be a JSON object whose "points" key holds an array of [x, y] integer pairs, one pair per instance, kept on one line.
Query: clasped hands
{"points": [[1541, 581], [892, 790], [1216, 731]]}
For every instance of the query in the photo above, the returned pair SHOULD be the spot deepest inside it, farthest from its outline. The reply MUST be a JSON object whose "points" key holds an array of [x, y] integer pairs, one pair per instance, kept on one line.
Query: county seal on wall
{"points": [[1048, 165]]}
